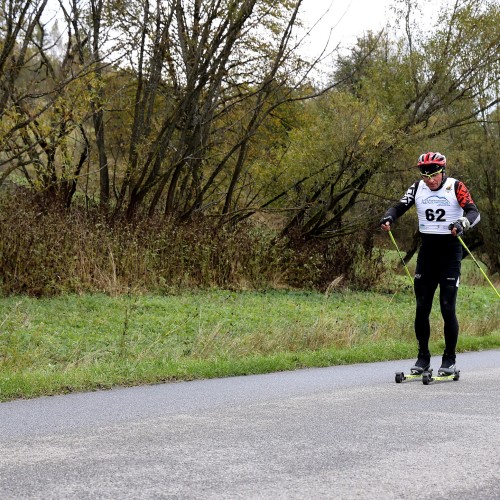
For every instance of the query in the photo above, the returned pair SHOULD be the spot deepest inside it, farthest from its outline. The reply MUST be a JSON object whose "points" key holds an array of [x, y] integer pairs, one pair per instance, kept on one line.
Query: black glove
{"points": [[458, 226], [461, 225], [387, 219]]}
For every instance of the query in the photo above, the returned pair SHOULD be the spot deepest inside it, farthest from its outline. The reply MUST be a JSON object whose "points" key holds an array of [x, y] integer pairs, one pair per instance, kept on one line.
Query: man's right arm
{"points": [[400, 207]]}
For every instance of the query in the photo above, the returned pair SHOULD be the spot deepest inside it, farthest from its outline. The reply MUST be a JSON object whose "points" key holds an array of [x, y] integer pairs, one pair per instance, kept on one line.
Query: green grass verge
{"points": [[79, 343]]}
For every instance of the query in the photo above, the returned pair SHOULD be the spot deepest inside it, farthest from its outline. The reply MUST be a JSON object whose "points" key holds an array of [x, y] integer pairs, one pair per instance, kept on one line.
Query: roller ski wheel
{"points": [[441, 377], [413, 375]]}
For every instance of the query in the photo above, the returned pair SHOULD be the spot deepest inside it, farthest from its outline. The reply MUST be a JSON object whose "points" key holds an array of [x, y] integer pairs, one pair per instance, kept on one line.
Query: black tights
{"points": [[424, 293], [438, 263]]}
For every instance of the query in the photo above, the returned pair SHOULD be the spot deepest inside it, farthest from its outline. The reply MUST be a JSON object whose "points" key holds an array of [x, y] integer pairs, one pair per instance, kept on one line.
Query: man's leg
{"points": [[425, 287], [448, 290]]}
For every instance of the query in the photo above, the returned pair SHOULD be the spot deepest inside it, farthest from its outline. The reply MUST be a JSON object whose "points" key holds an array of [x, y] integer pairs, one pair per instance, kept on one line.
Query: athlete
{"points": [[445, 210]]}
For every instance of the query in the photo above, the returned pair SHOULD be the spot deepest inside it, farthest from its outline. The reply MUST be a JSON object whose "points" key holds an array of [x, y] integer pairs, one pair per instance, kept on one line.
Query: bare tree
{"points": [[207, 75], [86, 45], [44, 111]]}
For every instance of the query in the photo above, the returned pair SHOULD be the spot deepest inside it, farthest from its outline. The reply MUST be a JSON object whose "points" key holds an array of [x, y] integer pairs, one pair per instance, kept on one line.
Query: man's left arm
{"points": [[464, 198]]}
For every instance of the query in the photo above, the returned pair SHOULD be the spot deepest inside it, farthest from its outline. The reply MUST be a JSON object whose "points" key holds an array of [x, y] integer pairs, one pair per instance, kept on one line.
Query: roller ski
{"points": [[447, 371], [422, 368]]}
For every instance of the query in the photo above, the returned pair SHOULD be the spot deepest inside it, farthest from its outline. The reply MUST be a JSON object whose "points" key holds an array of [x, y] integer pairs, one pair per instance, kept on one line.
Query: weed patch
{"points": [[89, 342]]}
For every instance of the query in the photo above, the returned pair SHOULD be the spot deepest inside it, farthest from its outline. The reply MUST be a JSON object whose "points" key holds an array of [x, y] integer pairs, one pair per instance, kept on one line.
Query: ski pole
{"points": [[477, 264], [400, 256]]}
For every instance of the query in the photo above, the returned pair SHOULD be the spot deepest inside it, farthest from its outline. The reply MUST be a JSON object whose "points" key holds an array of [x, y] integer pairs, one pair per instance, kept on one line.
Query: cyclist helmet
{"points": [[430, 163]]}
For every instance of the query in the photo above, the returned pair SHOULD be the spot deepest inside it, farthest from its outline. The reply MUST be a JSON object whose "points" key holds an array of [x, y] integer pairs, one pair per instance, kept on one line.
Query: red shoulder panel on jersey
{"points": [[463, 195]]}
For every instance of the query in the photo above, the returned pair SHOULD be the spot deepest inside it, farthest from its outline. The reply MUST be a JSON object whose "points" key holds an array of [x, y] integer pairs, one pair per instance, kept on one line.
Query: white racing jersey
{"points": [[436, 210]]}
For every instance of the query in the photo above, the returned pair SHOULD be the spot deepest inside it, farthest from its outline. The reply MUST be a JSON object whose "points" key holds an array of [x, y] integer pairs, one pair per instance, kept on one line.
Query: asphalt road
{"points": [[341, 433]]}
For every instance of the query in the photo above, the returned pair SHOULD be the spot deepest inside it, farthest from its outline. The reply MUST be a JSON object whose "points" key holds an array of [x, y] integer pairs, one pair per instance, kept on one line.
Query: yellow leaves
{"points": [[342, 123]]}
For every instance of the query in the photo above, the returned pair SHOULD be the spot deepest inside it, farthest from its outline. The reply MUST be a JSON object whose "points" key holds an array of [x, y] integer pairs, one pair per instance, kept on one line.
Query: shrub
{"points": [[45, 252]]}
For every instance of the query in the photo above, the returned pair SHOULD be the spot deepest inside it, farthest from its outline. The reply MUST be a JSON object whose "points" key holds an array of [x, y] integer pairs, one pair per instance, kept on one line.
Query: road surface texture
{"points": [[347, 432]]}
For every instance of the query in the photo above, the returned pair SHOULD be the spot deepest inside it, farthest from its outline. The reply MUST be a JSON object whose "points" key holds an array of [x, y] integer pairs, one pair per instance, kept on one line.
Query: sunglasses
{"points": [[431, 176]]}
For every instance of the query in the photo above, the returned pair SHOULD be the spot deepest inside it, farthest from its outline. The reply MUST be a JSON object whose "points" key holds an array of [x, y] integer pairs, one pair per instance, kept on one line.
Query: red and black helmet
{"points": [[430, 163]]}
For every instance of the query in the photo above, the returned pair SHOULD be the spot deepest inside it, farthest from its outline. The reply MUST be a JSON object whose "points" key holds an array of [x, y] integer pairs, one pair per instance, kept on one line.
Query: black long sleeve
{"points": [[404, 204]]}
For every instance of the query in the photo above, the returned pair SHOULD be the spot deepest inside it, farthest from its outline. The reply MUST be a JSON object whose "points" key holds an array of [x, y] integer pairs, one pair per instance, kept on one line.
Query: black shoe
{"points": [[422, 364], [448, 364]]}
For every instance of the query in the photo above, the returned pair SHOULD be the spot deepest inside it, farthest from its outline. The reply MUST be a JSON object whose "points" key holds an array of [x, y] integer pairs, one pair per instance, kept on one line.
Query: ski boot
{"points": [[418, 370], [422, 364], [447, 371], [448, 364]]}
